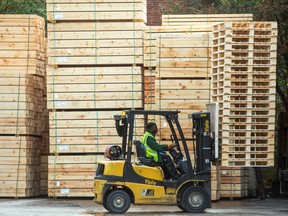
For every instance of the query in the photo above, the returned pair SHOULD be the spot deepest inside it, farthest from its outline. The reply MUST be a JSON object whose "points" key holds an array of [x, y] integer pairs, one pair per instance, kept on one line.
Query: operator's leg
{"points": [[169, 167]]}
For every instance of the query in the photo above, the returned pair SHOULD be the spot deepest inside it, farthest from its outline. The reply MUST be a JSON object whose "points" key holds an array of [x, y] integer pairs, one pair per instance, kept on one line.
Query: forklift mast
{"points": [[202, 135]]}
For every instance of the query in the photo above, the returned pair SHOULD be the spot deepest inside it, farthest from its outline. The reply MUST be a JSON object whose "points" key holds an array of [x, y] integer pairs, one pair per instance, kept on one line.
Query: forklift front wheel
{"points": [[118, 202], [195, 199]]}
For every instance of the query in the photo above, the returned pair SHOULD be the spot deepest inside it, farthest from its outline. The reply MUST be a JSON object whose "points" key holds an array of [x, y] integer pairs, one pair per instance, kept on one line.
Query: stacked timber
{"points": [[244, 83], [177, 65], [22, 46], [234, 182], [203, 19], [95, 60]]}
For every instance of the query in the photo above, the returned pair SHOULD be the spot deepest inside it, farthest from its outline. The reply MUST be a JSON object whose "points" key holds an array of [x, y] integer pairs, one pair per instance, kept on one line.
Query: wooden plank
{"points": [[111, 60], [184, 94], [21, 46], [97, 79], [178, 52], [74, 159], [91, 34], [201, 40], [99, 7], [199, 19], [184, 84], [98, 11], [89, 26], [107, 43], [177, 29], [94, 127], [23, 70], [67, 192], [12, 30], [91, 104], [94, 52], [205, 16], [139, 16], [97, 96], [20, 23], [126, 87], [183, 72], [183, 62], [96, 71]]}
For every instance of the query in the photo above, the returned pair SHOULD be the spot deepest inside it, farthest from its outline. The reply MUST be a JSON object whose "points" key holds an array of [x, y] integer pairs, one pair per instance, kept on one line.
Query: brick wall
{"points": [[155, 8]]}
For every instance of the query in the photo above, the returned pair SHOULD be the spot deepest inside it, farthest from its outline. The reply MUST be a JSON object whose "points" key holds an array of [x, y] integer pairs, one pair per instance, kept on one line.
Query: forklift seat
{"points": [[141, 154]]}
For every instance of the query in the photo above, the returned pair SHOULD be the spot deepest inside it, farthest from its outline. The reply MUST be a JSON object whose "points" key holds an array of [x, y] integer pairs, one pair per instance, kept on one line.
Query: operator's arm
{"points": [[151, 142]]}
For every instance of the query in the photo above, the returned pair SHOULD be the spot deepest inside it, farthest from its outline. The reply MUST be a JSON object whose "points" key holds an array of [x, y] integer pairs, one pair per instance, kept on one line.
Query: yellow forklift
{"points": [[120, 182]]}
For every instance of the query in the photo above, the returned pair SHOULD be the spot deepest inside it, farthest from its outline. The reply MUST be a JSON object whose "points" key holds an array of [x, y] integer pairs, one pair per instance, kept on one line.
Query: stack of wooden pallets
{"points": [[244, 82], [22, 48], [95, 59]]}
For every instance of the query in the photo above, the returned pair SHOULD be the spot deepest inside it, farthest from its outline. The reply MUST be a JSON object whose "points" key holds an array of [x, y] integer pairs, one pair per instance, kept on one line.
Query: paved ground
{"points": [[71, 207]]}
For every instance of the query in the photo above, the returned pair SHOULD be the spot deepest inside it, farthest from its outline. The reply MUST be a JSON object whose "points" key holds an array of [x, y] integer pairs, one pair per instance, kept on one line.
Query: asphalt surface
{"points": [[80, 207]]}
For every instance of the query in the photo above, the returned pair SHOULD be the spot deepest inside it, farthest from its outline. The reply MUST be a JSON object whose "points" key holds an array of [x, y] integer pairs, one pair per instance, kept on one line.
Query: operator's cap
{"points": [[150, 125]]}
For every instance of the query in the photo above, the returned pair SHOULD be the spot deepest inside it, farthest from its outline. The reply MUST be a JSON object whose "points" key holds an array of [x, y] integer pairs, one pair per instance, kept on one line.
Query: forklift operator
{"points": [[157, 152]]}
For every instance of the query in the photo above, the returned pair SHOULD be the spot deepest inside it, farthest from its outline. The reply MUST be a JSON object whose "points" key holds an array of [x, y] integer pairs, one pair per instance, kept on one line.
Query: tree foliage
{"points": [[23, 7]]}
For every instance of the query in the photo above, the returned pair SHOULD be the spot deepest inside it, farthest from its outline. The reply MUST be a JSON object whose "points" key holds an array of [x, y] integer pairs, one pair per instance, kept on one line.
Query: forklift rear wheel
{"points": [[118, 202], [195, 199]]}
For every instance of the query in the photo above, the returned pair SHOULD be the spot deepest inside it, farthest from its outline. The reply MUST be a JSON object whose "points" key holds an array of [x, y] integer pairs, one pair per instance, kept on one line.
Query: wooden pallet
{"points": [[97, 11]]}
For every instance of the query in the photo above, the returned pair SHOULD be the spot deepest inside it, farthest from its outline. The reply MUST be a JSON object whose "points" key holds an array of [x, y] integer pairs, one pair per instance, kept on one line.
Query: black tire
{"points": [[181, 207], [195, 199], [104, 204], [117, 202]]}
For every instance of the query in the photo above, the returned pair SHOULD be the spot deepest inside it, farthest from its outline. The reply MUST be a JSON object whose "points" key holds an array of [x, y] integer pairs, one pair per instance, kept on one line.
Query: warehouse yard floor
{"points": [[69, 207]]}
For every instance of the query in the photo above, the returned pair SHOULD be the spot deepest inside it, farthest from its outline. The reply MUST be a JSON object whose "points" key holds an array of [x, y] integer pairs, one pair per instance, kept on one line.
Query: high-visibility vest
{"points": [[149, 151]]}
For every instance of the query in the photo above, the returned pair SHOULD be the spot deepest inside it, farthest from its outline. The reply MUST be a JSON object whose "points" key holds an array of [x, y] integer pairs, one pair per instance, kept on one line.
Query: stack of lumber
{"points": [[72, 175], [22, 47], [94, 87], [234, 182], [21, 104], [85, 131], [215, 182], [177, 71], [95, 60], [244, 82], [203, 19], [19, 166], [22, 69], [80, 137]]}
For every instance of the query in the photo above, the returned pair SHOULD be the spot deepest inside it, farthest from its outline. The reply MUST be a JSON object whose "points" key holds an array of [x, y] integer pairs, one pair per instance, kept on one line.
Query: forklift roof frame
{"points": [[170, 116]]}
